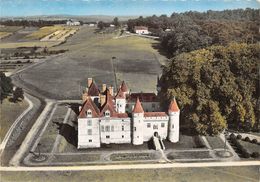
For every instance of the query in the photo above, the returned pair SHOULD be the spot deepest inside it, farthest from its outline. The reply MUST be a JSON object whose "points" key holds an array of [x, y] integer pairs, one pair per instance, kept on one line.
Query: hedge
{"points": [[254, 141], [255, 155], [239, 137]]}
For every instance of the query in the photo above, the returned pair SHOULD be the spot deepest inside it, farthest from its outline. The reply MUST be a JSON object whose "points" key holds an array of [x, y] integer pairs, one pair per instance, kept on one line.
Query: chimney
{"points": [[111, 90], [102, 100], [90, 80], [104, 87]]}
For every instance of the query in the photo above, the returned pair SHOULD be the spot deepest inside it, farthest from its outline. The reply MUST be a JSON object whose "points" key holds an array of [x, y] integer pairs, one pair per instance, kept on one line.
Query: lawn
{"points": [[217, 174], [131, 156], [251, 147], [9, 111], [52, 130], [186, 142], [189, 155], [215, 142]]}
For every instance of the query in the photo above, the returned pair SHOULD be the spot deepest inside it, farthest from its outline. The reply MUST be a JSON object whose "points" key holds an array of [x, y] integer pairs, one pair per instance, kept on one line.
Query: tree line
{"points": [[28, 23], [194, 30]]}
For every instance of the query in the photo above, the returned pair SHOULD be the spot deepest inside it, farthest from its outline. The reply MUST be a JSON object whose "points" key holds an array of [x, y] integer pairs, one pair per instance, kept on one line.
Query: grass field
{"points": [[200, 174], [90, 55], [12, 45], [8, 113], [10, 28], [45, 31], [4, 34]]}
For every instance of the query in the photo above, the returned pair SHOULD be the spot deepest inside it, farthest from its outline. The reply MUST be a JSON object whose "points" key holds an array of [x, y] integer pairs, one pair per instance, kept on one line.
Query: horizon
{"points": [[23, 8]]}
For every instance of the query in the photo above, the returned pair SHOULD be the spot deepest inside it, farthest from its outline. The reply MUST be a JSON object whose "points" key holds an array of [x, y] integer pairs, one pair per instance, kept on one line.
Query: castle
{"points": [[123, 117]]}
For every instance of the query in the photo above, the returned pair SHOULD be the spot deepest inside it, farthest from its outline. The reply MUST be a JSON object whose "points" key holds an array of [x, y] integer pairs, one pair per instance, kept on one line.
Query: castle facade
{"points": [[124, 117]]}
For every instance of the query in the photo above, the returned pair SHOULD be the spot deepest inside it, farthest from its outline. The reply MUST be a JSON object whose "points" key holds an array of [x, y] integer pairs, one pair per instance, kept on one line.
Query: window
{"points": [[134, 128], [148, 125], [89, 113], [107, 136], [90, 141], [172, 126], [155, 126], [123, 128], [102, 128], [89, 132], [107, 113], [112, 128], [123, 136], [107, 128], [162, 125], [153, 105], [89, 122]]}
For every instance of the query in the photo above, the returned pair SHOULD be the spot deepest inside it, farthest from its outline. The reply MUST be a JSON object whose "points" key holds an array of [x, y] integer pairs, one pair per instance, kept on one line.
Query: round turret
{"points": [[174, 121], [138, 119]]}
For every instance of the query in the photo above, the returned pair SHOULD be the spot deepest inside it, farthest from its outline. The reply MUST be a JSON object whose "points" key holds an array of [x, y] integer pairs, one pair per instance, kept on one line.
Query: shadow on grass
{"points": [[68, 132], [161, 50]]}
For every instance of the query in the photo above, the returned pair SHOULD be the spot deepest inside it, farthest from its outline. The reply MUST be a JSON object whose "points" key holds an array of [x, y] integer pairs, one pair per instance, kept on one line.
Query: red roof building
{"points": [[89, 105]]}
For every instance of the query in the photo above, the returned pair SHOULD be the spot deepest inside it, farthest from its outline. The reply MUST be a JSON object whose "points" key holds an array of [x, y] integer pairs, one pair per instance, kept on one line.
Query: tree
{"points": [[216, 87], [101, 25], [18, 94], [116, 22], [6, 86]]}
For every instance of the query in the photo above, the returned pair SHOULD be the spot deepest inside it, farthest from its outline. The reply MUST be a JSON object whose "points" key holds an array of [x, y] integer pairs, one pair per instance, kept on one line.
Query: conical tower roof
{"points": [[124, 87], [138, 107], [173, 106]]}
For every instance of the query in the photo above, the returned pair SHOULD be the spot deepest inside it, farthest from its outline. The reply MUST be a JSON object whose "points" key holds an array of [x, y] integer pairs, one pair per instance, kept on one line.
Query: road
{"points": [[132, 166]]}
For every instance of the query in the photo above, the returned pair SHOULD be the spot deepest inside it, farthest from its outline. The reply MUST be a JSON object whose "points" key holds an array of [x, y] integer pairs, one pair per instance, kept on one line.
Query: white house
{"points": [[141, 30], [106, 117], [73, 23]]}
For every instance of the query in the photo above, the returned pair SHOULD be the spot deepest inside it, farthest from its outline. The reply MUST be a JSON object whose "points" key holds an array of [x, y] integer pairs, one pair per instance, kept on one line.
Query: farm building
{"points": [[141, 30], [124, 117], [73, 23]]}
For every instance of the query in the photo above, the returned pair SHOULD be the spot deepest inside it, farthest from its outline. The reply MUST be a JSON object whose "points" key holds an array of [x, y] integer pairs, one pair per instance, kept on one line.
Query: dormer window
{"points": [[89, 113], [107, 113]]}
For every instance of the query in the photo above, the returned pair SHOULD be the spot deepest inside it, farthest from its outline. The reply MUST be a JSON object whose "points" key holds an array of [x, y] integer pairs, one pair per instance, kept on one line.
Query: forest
{"points": [[213, 67]]}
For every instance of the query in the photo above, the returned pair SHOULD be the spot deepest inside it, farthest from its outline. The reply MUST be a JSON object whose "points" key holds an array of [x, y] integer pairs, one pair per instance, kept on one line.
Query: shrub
{"points": [[255, 155], [245, 154], [254, 141], [239, 137], [232, 135], [247, 139]]}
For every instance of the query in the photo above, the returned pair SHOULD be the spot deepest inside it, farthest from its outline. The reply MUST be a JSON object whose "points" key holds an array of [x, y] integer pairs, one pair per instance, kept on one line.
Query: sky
{"points": [[116, 7]]}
